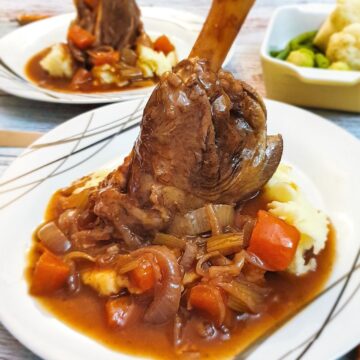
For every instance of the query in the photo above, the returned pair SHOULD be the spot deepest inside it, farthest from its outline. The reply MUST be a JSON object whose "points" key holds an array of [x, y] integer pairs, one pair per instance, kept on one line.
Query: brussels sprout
{"points": [[302, 57], [339, 65], [321, 61]]}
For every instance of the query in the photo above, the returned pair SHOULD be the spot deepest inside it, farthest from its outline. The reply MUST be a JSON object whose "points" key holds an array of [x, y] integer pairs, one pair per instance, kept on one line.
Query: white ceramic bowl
{"points": [[299, 85]]}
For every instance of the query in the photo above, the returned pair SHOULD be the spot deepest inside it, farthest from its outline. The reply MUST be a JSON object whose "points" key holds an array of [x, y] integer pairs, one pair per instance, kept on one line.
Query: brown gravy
{"points": [[40, 77], [85, 312]]}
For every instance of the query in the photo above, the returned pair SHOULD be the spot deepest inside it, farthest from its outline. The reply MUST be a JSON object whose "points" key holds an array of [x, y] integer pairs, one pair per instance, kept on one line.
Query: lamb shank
{"points": [[113, 23], [203, 139]]}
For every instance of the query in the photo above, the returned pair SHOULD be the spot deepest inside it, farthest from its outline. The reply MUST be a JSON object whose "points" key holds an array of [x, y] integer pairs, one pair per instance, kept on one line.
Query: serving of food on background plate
{"points": [[107, 49], [210, 235]]}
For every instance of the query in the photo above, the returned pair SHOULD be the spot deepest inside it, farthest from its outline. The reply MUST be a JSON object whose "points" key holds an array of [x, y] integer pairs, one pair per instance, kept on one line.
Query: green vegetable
{"points": [[283, 54], [321, 61], [302, 40], [302, 57], [299, 42], [274, 53], [339, 65]]}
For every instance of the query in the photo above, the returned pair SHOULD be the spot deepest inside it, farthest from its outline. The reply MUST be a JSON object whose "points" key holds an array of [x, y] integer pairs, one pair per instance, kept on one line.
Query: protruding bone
{"points": [[220, 30]]}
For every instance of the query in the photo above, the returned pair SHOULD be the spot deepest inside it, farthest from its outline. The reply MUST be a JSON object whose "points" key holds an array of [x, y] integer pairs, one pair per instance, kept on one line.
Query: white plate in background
{"points": [[19, 46]]}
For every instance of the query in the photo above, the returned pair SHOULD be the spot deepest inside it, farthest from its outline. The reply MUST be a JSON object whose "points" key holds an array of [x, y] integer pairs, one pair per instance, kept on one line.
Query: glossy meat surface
{"points": [[114, 23], [203, 139]]}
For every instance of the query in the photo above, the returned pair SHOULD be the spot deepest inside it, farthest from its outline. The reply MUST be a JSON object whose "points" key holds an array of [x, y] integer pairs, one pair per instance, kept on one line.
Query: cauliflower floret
{"points": [[347, 12], [58, 62], [105, 282], [289, 204], [153, 62], [345, 46], [339, 65]]}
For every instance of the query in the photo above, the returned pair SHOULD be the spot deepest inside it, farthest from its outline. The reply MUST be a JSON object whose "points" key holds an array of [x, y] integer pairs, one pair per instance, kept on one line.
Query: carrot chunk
{"points": [[81, 77], [273, 241], [99, 58], [163, 44], [143, 276], [50, 274], [208, 299], [81, 38], [118, 311]]}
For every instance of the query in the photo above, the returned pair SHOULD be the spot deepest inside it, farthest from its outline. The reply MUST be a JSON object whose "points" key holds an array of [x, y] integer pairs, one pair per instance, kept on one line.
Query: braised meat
{"points": [[205, 134], [203, 139], [114, 23]]}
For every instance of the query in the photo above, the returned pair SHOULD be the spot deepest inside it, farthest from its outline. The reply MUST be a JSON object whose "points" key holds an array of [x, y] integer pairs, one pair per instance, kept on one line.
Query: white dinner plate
{"points": [[326, 160], [20, 45]]}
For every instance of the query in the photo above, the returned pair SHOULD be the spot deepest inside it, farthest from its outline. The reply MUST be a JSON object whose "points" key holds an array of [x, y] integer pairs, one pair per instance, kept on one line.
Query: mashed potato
{"points": [[94, 179], [153, 62], [105, 74], [288, 203], [58, 62], [103, 281]]}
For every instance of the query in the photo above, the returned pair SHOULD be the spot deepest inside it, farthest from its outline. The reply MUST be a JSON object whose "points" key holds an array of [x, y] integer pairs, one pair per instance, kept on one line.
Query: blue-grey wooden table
{"points": [[25, 115]]}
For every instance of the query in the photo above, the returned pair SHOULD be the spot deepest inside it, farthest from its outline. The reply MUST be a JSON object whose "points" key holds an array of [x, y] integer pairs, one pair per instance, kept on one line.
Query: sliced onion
{"points": [[53, 238], [78, 255], [85, 239], [203, 259], [221, 260], [131, 265], [239, 259], [197, 222], [130, 239], [108, 257], [246, 224], [167, 292], [67, 221], [213, 220], [233, 269], [189, 256]]}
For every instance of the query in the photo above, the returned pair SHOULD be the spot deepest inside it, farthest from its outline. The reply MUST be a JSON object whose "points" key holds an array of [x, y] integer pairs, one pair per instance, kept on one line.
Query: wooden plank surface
{"points": [[20, 114]]}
